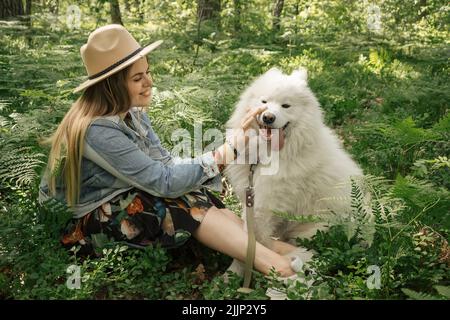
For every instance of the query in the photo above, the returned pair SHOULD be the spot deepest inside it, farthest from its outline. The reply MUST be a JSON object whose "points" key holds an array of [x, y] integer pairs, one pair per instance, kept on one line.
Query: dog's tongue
{"points": [[277, 141], [275, 136], [266, 133]]}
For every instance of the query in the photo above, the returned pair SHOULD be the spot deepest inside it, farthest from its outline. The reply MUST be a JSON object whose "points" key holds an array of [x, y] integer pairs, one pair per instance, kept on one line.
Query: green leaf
{"points": [[350, 229], [99, 240], [443, 291], [418, 295]]}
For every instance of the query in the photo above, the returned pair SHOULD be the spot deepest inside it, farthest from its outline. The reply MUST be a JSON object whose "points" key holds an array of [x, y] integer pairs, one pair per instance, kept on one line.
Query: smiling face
{"points": [[140, 83], [291, 106]]}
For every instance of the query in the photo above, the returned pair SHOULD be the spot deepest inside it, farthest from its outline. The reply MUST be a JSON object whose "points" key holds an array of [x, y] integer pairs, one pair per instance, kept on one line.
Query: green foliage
{"points": [[18, 166], [398, 242], [436, 170], [395, 147], [386, 93], [444, 294], [52, 216]]}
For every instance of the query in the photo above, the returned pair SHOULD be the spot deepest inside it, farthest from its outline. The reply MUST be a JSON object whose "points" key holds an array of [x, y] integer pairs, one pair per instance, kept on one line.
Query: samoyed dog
{"points": [[308, 171]]}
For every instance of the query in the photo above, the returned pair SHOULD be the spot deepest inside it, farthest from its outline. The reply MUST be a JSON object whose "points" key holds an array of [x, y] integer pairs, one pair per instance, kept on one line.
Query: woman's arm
{"points": [[214, 183], [227, 152], [108, 146]]}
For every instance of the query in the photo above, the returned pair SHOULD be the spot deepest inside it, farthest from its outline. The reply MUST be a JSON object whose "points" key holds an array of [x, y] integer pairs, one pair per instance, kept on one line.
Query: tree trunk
{"points": [[237, 16], [28, 8], [28, 12], [11, 8], [208, 10], [277, 10], [115, 12]]}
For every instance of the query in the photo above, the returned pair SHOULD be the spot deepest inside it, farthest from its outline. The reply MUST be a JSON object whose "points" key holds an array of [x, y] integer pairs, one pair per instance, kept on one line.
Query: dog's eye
{"points": [[264, 101], [285, 105]]}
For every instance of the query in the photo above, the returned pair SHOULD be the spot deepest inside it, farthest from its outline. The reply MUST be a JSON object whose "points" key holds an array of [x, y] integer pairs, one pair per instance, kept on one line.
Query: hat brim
{"points": [[141, 54]]}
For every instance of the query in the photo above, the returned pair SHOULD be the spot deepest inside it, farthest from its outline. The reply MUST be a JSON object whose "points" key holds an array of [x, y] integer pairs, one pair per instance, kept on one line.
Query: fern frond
{"points": [[300, 218], [418, 295], [443, 294], [18, 167], [177, 109], [53, 215], [4, 122], [443, 291], [4, 104], [335, 198]]}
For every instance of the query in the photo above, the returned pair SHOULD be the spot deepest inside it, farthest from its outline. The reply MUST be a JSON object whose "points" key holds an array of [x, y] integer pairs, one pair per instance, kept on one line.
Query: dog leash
{"points": [[251, 244]]}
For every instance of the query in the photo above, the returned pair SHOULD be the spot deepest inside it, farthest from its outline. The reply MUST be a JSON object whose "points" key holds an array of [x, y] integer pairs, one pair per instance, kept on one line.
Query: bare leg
{"points": [[279, 247], [220, 233]]}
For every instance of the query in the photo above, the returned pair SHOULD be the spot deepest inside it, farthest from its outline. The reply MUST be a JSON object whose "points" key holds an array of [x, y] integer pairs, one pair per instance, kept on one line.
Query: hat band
{"points": [[115, 64]]}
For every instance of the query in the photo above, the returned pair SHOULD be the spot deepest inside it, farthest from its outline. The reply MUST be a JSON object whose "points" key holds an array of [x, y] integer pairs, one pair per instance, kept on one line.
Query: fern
{"points": [[419, 194], [443, 291], [418, 295], [53, 215], [373, 205], [444, 294], [443, 126], [361, 213], [19, 166], [406, 132], [172, 110], [300, 218], [4, 104]]}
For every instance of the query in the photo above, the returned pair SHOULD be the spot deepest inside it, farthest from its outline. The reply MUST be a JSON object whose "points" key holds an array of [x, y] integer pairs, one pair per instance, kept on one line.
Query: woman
{"points": [[108, 165]]}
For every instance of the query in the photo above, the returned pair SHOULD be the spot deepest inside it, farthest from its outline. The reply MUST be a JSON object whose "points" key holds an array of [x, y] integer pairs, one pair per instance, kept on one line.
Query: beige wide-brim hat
{"points": [[108, 50]]}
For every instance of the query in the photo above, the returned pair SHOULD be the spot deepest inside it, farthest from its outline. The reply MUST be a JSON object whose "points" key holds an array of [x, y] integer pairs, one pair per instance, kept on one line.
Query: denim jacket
{"points": [[118, 157]]}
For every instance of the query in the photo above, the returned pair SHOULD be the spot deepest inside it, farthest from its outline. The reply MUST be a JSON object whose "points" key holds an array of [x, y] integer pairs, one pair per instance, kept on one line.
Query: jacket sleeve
{"points": [[151, 135], [109, 147], [214, 183]]}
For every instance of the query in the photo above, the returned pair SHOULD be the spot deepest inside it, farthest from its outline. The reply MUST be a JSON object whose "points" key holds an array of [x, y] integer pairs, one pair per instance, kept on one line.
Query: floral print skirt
{"points": [[139, 219]]}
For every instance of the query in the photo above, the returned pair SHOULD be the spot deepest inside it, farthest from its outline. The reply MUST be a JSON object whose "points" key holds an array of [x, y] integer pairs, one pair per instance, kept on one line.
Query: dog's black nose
{"points": [[268, 118]]}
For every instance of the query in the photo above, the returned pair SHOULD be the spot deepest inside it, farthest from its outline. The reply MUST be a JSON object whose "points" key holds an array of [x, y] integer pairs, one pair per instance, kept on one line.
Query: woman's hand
{"points": [[250, 116], [240, 139], [225, 154]]}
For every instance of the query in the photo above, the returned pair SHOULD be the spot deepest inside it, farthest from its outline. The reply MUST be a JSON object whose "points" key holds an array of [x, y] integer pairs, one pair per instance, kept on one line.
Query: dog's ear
{"points": [[301, 74]]}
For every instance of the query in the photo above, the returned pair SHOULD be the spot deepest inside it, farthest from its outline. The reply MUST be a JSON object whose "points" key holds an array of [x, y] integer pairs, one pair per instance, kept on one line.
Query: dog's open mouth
{"points": [[276, 136]]}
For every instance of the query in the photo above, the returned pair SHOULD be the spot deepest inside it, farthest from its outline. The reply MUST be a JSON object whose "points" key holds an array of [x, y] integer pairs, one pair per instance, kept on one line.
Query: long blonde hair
{"points": [[107, 97]]}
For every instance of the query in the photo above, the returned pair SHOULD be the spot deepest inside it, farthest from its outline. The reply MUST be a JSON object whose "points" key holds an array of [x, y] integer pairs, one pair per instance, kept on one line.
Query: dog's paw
{"points": [[304, 254]]}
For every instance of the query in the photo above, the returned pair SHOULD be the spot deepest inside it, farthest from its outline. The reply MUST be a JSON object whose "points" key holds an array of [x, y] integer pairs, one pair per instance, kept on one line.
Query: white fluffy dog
{"points": [[313, 170]]}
